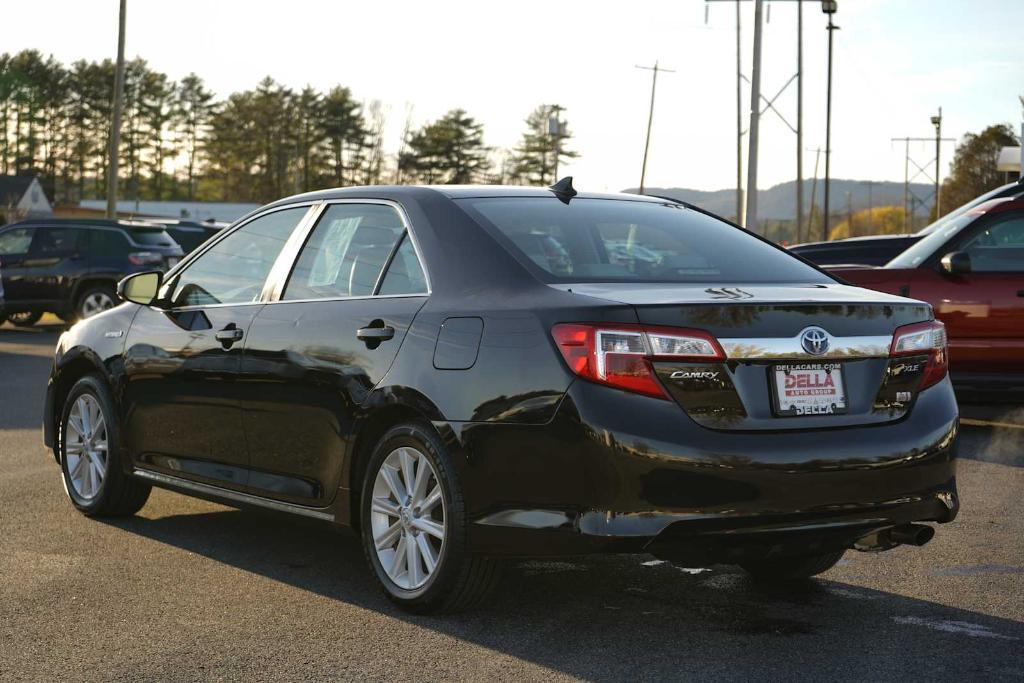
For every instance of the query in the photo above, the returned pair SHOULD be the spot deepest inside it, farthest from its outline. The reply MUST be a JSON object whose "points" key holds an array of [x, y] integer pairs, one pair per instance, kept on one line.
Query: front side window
{"points": [[998, 248], [346, 252], [234, 269], [612, 240], [16, 240]]}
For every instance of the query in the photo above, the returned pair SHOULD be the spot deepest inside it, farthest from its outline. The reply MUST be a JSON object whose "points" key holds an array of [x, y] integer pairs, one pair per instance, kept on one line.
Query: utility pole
{"points": [[739, 120], [828, 7], [556, 130], [910, 199], [937, 122], [755, 119], [650, 117], [115, 126], [799, 119], [814, 193]]}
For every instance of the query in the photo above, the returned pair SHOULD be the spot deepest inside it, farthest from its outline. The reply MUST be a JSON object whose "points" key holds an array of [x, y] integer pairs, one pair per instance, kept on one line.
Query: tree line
{"points": [[180, 142]]}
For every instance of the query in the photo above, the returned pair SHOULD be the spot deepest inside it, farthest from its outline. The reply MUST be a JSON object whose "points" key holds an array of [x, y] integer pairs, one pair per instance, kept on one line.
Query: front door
{"points": [[984, 309], [52, 264], [182, 357], [314, 355]]}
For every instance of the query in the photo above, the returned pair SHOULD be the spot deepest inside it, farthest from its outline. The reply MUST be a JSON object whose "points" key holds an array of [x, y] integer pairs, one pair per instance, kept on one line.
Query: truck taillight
{"points": [[920, 339], [621, 355]]}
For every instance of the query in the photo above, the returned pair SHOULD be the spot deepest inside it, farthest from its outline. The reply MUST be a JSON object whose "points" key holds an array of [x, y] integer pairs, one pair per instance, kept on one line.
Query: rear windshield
{"points": [[150, 237], [612, 240]]}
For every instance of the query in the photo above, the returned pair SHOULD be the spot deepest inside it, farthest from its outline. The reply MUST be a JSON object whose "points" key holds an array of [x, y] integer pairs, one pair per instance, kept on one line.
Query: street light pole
{"points": [[828, 7], [937, 122], [739, 121], [650, 118], [755, 118], [799, 120]]}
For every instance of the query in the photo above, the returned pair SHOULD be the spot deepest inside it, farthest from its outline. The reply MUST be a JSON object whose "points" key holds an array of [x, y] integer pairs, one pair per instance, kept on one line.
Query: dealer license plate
{"points": [[809, 389]]}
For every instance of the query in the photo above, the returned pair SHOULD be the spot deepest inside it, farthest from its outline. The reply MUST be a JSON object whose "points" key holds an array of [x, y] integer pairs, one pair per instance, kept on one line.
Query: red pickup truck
{"points": [[972, 272]]}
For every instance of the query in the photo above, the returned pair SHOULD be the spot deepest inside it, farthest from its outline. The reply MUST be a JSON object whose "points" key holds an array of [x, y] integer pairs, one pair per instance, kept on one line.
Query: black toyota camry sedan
{"points": [[465, 374]]}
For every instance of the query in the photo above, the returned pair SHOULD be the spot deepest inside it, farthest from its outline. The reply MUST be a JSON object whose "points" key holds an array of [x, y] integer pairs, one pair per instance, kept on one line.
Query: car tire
{"points": [[95, 299], [458, 579], [791, 568], [24, 319], [90, 454]]}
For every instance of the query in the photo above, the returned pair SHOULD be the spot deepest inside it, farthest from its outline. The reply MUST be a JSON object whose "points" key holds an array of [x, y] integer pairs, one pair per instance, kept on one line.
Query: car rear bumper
{"points": [[619, 472]]}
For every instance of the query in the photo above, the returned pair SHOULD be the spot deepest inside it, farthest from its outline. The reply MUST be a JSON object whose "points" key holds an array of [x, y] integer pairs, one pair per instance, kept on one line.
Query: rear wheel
{"points": [[95, 299], [414, 525], [24, 319], [90, 454], [792, 568]]}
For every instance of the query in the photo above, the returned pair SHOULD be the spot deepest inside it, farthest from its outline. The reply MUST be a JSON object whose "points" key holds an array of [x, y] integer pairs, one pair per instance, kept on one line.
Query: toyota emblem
{"points": [[814, 341]]}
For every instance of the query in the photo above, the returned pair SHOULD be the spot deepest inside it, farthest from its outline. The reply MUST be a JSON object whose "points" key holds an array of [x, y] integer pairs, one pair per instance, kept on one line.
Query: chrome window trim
{"points": [[279, 280], [789, 348], [228, 494]]}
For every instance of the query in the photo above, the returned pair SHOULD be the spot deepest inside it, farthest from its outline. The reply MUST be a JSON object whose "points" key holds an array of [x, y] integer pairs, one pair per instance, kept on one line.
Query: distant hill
{"points": [[779, 201]]}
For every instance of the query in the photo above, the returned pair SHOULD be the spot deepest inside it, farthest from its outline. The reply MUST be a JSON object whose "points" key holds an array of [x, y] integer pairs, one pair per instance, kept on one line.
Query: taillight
{"points": [[621, 355], [145, 258], [923, 338]]}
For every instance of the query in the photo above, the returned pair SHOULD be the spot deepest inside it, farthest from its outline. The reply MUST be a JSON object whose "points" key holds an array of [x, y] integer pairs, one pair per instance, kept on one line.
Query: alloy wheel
{"points": [[94, 303], [86, 447], [407, 518]]}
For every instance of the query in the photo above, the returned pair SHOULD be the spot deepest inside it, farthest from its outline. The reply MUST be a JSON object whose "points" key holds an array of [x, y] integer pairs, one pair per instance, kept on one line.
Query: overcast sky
{"points": [[896, 62]]}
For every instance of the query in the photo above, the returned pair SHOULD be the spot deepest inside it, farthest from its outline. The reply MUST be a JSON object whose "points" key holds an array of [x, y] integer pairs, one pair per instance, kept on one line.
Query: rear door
{"points": [[314, 354], [14, 246], [182, 394], [983, 309]]}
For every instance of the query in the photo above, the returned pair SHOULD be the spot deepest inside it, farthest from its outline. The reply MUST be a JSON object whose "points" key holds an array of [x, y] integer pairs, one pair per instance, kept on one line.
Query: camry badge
{"points": [[814, 341]]}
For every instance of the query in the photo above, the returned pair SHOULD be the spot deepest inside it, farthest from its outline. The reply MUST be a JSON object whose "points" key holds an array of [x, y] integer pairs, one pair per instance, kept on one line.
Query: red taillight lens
{"points": [[145, 258], [924, 338], [621, 355]]}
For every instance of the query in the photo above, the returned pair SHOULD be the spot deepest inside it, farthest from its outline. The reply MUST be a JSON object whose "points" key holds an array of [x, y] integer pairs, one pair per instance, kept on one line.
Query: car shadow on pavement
{"points": [[629, 617]]}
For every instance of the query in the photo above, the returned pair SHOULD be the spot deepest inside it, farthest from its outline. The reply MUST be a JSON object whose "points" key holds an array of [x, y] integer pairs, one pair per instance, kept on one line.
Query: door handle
{"points": [[229, 335], [375, 334]]}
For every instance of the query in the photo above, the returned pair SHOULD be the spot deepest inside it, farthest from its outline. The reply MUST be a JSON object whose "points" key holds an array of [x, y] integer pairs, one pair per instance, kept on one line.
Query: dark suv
{"points": [[70, 267]]}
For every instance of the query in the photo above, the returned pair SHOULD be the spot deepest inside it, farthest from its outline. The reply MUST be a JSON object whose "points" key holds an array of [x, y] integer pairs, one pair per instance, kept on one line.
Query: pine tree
{"points": [[542, 148], [447, 151]]}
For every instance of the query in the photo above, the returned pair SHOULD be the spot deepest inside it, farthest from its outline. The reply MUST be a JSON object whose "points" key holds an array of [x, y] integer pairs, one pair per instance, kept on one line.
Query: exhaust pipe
{"points": [[912, 534]]}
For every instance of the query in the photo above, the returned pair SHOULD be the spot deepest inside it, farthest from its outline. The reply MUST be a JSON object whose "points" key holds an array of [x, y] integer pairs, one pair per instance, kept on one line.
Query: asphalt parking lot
{"points": [[190, 590]]}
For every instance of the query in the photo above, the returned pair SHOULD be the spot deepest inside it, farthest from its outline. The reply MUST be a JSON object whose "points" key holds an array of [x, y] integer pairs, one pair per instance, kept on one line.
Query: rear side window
{"points": [[346, 252], [56, 240], [999, 248], [405, 274], [16, 240], [609, 240], [108, 244]]}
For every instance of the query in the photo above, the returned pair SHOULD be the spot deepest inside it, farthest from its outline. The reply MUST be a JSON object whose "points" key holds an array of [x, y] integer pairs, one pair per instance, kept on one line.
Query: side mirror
{"points": [[141, 288], [956, 263]]}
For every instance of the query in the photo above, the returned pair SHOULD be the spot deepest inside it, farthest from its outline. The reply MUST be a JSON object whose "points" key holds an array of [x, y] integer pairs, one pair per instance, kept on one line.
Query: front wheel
{"points": [[791, 568], [414, 526], [90, 454]]}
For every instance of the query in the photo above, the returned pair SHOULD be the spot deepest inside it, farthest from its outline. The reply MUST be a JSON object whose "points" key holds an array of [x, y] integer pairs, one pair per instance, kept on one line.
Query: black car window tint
{"points": [[344, 255], [405, 273], [235, 268], [108, 244], [998, 248], [55, 241], [16, 240]]}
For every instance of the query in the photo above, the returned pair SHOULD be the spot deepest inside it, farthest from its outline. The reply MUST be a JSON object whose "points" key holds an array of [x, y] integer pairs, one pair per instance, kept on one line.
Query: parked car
{"points": [[390, 359], [188, 234], [877, 250], [70, 267], [972, 272]]}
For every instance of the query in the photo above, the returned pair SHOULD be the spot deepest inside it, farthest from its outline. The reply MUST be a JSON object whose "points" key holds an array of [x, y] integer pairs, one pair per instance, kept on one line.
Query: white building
{"points": [[22, 196]]}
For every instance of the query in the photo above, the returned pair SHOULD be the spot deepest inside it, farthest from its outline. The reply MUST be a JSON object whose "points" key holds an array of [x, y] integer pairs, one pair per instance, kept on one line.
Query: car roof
{"points": [[998, 205], [398, 192]]}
